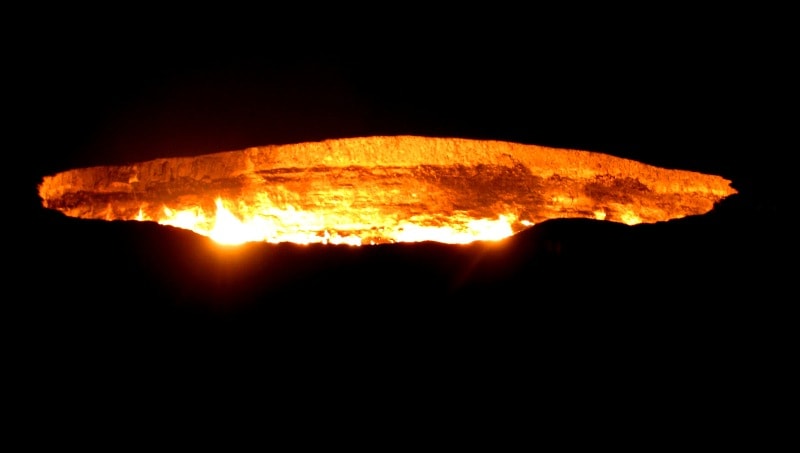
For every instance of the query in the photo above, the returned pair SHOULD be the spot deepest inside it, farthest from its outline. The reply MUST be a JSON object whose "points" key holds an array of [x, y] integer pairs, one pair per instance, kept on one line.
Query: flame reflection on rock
{"points": [[372, 190]]}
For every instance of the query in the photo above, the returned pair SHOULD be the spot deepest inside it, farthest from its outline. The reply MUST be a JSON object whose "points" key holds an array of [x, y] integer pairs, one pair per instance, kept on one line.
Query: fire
{"points": [[289, 225], [373, 190]]}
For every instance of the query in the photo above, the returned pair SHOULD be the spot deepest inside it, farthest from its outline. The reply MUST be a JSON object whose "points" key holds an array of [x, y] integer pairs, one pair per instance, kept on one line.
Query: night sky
{"points": [[667, 92], [670, 93]]}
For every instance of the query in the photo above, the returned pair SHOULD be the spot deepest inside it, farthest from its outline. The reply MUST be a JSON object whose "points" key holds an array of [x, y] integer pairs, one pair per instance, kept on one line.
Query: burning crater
{"points": [[383, 189]]}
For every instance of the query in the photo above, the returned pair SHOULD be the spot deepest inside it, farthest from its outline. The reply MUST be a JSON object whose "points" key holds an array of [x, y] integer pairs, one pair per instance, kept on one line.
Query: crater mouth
{"points": [[381, 189]]}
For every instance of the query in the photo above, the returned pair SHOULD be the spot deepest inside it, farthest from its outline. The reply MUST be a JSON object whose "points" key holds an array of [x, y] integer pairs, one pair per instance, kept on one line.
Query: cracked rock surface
{"points": [[399, 177]]}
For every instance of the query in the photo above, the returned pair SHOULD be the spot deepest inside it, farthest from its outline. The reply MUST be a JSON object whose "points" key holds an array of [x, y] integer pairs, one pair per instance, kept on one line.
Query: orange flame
{"points": [[301, 227], [371, 190]]}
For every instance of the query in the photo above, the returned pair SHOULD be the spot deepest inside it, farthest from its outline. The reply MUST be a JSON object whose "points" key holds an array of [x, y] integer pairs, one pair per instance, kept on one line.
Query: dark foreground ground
{"points": [[576, 280]]}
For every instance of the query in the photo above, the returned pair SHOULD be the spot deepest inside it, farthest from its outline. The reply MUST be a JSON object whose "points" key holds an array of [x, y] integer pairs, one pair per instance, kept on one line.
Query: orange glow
{"points": [[373, 190], [268, 224]]}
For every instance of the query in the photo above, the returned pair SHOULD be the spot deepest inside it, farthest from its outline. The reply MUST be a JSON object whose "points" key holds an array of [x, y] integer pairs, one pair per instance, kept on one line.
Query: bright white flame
{"points": [[190, 219], [267, 223], [475, 230], [229, 230], [630, 218]]}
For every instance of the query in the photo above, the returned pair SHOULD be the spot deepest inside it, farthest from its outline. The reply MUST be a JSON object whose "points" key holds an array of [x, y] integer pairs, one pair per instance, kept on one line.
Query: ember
{"points": [[372, 190]]}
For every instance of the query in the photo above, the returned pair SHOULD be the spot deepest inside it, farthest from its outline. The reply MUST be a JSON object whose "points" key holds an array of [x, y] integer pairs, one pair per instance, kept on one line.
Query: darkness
{"points": [[700, 296]]}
